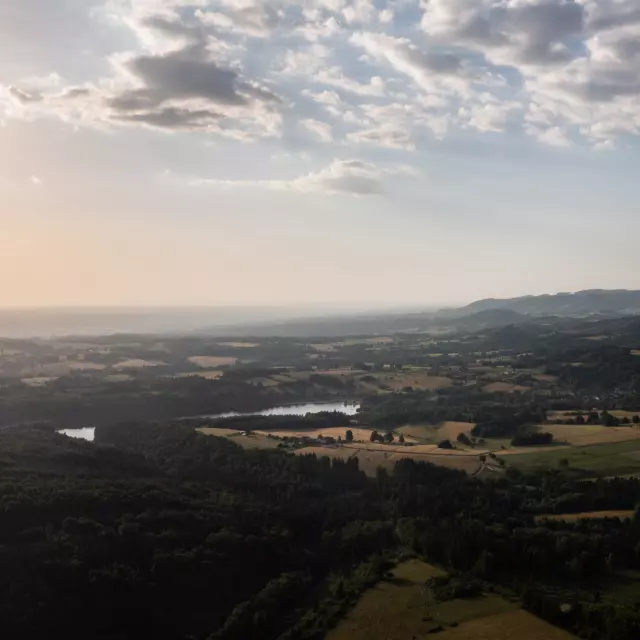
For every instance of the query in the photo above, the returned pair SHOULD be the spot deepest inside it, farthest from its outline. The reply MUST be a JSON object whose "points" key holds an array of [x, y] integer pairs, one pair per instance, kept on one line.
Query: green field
{"points": [[616, 458], [398, 608]]}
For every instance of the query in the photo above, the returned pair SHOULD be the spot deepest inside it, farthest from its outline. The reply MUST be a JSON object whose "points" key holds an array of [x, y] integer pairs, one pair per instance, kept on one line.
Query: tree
{"points": [[608, 420], [580, 420], [464, 439], [388, 437], [593, 418], [401, 439], [349, 435], [626, 420], [445, 444], [374, 436], [636, 419]]}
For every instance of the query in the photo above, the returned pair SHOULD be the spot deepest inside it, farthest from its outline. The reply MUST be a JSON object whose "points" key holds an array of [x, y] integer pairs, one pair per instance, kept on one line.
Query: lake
{"points": [[350, 408], [86, 433]]}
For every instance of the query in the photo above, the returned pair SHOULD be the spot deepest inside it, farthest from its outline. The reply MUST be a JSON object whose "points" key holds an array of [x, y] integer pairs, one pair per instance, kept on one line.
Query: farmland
{"points": [[399, 607], [586, 515], [509, 457]]}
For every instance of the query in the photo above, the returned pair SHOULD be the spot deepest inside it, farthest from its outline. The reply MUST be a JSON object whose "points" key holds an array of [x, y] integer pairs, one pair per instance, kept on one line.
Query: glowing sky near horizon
{"points": [[195, 152]]}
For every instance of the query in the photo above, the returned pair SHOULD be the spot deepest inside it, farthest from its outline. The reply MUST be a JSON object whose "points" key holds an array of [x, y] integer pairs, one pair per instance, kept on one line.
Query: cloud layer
{"points": [[351, 177], [393, 74]]}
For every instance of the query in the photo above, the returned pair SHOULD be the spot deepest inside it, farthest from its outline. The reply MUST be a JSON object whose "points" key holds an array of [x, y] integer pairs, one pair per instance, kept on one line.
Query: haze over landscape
{"points": [[281, 152], [319, 319]]}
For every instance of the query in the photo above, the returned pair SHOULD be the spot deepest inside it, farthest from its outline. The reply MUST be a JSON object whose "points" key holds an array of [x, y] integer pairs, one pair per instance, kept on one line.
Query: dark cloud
{"points": [[184, 75], [545, 28], [170, 80], [607, 87], [174, 118], [435, 62], [615, 19]]}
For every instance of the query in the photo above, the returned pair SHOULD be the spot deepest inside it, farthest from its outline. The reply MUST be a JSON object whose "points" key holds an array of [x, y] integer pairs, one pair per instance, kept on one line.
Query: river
{"points": [[350, 408]]}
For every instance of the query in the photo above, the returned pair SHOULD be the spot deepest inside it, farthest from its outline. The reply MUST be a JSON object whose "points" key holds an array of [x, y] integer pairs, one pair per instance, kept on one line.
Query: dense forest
{"points": [[158, 531]]}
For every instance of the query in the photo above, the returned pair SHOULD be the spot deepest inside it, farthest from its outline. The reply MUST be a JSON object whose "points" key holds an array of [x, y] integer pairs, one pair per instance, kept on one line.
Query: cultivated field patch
{"points": [[211, 362], [135, 363], [513, 625], [587, 515], [400, 608]]}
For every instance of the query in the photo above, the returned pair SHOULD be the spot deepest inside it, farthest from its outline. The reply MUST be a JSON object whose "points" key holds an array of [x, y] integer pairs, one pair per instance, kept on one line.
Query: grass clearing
{"points": [[396, 608], [512, 625], [587, 515], [611, 459], [580, 435], [421, 432], [211, 362]]}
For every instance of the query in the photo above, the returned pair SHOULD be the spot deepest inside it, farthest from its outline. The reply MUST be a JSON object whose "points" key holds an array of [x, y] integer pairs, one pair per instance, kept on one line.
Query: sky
{"points": [[309, 152]]}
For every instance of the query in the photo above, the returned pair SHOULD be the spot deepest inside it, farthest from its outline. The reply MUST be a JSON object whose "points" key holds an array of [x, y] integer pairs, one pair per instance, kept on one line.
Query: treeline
{"points": [[311, 421], [494, 417], [157, 531], [77, 401]]}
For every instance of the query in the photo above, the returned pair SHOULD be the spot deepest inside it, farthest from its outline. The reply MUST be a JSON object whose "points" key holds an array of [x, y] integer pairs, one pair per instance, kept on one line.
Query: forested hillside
{"points": [[157, 531]]}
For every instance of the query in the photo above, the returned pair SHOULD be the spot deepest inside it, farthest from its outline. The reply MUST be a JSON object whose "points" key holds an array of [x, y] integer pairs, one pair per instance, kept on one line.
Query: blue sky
{"points": [[316, 151]]}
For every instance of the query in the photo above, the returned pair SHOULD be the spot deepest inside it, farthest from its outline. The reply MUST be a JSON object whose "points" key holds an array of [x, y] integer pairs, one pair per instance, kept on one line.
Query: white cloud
{"points": [[36, 181], [562, 71], [346, 177], [320, 130]]}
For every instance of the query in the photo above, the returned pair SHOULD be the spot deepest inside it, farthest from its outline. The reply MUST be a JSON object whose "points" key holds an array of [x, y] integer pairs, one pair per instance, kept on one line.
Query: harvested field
{"points": [[586, 515], [421, 380], [396, 609], [503, 387], [371, 458], [239, 345], [590, 434], [135, 363], [323, 347], [544, 377], [40, 381], [513, 625], [118, 377], [419, 432], [211, 362], [207, 375], [451, 430]]}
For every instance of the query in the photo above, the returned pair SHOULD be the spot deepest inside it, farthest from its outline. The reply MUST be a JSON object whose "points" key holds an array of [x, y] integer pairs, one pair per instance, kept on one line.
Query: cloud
{"points": [[535, 32], [35, 181], [561, 71], [342, 177], [384, 136], [321, 130]]}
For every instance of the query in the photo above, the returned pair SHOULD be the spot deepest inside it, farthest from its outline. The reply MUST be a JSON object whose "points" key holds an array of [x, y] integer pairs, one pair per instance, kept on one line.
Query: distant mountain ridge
{"points": [[588, 302]]}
